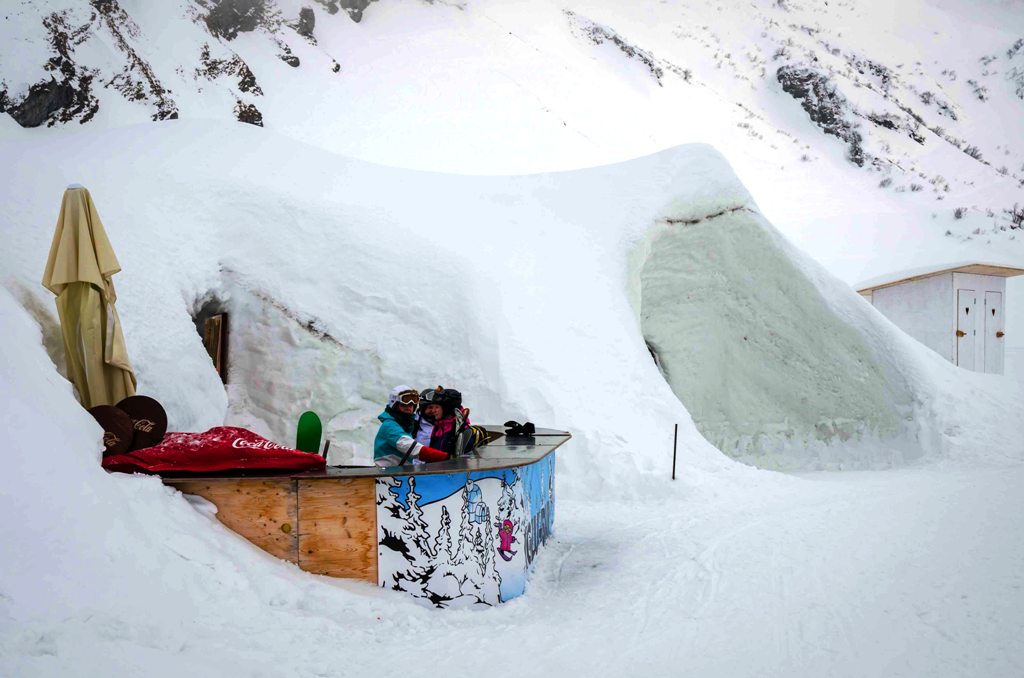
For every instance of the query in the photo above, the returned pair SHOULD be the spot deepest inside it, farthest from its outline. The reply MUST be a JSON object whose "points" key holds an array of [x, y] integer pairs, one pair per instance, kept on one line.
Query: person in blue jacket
{"points": [[394, 443]]}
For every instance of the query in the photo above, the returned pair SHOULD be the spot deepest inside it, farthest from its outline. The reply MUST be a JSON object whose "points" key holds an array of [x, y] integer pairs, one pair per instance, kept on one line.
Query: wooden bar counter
{"points": [[458, 533]]}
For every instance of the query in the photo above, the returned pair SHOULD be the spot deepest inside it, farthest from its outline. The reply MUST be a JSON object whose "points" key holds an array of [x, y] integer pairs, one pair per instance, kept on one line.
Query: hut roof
{"points": [[898, 277]]}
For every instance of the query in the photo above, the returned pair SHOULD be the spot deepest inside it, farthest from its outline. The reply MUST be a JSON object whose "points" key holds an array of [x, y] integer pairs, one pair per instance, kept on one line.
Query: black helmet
{"points": [[447, 398], [430, 396], [450, 398]]}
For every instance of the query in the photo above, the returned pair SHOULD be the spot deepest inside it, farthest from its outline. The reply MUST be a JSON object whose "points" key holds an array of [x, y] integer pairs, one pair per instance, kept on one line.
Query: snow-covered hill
{"points": [[343, 277], [347, 269], [878, 137], [312, 252]]}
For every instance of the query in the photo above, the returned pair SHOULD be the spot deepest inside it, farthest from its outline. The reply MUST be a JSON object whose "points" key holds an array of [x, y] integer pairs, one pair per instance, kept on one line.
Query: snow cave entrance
{"points": [[212, 323]]}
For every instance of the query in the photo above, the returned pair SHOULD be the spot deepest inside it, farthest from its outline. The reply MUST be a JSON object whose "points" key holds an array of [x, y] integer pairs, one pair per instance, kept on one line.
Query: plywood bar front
{"points": [[459, 533], [338, 527], [264, 511]]}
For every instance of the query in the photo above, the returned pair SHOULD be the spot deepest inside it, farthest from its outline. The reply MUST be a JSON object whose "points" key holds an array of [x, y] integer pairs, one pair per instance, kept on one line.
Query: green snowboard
{"points": [[308, 437]]}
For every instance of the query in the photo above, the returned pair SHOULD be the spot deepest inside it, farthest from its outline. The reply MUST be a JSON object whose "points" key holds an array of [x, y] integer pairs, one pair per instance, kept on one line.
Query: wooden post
{"points": [[675, 439]]}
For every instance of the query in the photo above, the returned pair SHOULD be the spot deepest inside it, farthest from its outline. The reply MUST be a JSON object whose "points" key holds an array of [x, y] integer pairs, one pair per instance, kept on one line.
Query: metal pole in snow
{"points": [[675, 439]]}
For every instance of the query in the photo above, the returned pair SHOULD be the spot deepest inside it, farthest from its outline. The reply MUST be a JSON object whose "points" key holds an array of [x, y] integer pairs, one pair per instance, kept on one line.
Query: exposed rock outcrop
{"points": [[136, 81], [355, 8], [228, 18], [248, 113], [307, 22], [286, 55], [330, 5], [599, 35], [43, 100], [212, 68], [67, 94], [824, 104]]}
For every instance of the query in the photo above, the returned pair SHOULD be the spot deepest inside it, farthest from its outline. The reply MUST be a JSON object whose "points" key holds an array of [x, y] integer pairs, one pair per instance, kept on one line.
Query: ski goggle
{"points": [[409, 398], [431, 396]]}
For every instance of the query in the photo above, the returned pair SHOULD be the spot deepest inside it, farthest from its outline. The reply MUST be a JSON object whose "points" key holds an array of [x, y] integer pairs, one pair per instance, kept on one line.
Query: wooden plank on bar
{"points": [[338, 527], [262, 511]]}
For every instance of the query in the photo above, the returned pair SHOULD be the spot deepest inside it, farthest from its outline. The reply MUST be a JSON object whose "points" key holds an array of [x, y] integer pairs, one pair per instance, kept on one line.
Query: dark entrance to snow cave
{"points": [[211, 321]]}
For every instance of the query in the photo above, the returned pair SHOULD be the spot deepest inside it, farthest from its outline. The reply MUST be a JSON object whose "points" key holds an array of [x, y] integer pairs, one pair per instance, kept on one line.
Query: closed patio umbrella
{"points": [[79, 271]]}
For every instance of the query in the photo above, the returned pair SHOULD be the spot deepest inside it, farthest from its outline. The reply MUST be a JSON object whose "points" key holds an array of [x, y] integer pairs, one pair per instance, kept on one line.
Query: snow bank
{"points": [[111, 573], [343, 278], [769, 371]]}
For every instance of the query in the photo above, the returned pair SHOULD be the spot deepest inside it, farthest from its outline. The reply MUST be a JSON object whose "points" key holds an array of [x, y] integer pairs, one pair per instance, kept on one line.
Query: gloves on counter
{"points": [[429, 454], [513, 429]]}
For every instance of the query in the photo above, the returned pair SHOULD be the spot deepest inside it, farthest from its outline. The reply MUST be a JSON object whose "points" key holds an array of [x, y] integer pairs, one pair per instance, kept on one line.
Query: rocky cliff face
{"points": [[76, 81]]}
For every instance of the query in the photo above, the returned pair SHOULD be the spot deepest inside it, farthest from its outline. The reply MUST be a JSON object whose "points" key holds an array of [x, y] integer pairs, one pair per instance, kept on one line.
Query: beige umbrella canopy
{"points": [[79, 271]]}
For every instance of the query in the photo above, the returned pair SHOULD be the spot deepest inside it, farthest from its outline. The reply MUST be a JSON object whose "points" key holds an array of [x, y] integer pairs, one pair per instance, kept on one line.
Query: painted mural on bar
{"points": [[464, 540]]}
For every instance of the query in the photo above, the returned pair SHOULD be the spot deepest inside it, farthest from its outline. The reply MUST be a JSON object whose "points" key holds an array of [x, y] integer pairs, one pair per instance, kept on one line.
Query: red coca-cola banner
{"points": [[224, 448]]}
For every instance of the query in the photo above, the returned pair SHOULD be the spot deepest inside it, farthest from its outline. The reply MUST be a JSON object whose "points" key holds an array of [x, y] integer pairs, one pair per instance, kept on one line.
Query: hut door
{"points": [[994, 332], [966, 319]]}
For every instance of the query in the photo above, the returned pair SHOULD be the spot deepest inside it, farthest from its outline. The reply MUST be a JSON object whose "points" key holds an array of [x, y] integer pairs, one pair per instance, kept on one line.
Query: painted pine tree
{"points": [[479, 551], [387, 495], [465, 530], [445, 583], [490, 580], [392, 548], [401, 565], [415, 527], [443, 542]]}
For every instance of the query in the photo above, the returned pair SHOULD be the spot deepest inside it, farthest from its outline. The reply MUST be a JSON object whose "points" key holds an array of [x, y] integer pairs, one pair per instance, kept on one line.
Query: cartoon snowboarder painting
{"points": [[505, 535]]}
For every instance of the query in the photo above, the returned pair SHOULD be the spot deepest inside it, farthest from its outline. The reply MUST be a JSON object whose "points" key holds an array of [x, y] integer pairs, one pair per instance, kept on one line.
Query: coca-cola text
{"points": [[242, 443]]}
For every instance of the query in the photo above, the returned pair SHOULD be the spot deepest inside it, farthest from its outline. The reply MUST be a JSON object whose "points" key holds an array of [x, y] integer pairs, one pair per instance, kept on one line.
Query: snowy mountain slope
{"points": [[782, 80], [878, 138]]}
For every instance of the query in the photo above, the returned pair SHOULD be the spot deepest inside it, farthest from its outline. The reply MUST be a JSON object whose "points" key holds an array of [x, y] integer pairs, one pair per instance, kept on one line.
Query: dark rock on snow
{"points": [[355, 8], [248, 113], [211, 68], [228, 18], [330, 5], [823, 104], [307, 21], [287, 56], [43, 100], [137, 81]]}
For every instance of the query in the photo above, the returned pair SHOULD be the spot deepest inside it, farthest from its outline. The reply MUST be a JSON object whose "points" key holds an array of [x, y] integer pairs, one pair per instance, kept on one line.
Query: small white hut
{"points": [[955, 310]]}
